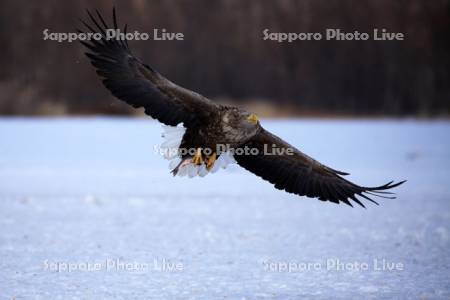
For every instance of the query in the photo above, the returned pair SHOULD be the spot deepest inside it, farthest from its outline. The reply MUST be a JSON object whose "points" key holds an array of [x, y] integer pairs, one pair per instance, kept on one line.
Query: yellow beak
{"points": [[253, 118]]}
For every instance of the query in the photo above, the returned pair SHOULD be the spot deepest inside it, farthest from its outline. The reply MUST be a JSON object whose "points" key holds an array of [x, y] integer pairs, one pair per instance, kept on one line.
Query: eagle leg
{"points": [[198, 159], [211, 160]]}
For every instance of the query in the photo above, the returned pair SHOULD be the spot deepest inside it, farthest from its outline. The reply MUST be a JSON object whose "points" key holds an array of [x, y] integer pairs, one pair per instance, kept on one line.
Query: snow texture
{"points": [[88, 192]]}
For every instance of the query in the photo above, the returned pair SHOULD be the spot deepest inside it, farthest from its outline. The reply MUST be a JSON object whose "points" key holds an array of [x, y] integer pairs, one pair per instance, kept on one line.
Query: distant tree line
{"points": [[224, 55]]}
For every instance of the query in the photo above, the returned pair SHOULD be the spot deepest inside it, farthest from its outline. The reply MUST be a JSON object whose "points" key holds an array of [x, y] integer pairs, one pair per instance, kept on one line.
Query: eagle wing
{"points": [[140, 85], [296, 172]]}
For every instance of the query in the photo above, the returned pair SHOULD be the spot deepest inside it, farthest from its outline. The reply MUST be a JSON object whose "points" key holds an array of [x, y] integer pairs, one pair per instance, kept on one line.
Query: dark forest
{"points": [[224, 56]]}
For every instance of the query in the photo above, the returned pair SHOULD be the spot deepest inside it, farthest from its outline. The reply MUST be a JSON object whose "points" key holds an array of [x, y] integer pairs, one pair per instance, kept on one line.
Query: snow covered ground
{"points": [[89, 211]]}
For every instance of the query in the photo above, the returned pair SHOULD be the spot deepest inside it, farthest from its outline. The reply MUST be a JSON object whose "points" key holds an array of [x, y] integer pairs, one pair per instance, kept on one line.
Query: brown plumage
{"points": [[209, 124]]}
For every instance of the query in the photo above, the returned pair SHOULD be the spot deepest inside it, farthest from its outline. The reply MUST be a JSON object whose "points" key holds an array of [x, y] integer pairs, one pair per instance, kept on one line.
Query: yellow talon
{"points": [[198, 159], [211, 161]]}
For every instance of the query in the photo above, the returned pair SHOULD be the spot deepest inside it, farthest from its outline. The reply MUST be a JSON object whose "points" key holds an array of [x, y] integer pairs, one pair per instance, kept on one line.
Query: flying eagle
{"points": [[195, 124]]}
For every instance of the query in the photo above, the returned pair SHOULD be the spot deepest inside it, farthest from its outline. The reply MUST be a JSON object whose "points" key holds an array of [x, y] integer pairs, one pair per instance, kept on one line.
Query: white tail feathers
{"points": [[173, 137]]}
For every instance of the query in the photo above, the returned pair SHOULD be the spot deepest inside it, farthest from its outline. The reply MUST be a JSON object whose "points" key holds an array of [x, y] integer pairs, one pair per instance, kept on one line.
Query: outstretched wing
{"points": [[140, 85], [297, 173]]}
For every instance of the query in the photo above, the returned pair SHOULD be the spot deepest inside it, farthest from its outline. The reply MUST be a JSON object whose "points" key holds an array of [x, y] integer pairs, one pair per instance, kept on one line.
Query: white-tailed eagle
{"points": [[197, 127]]}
